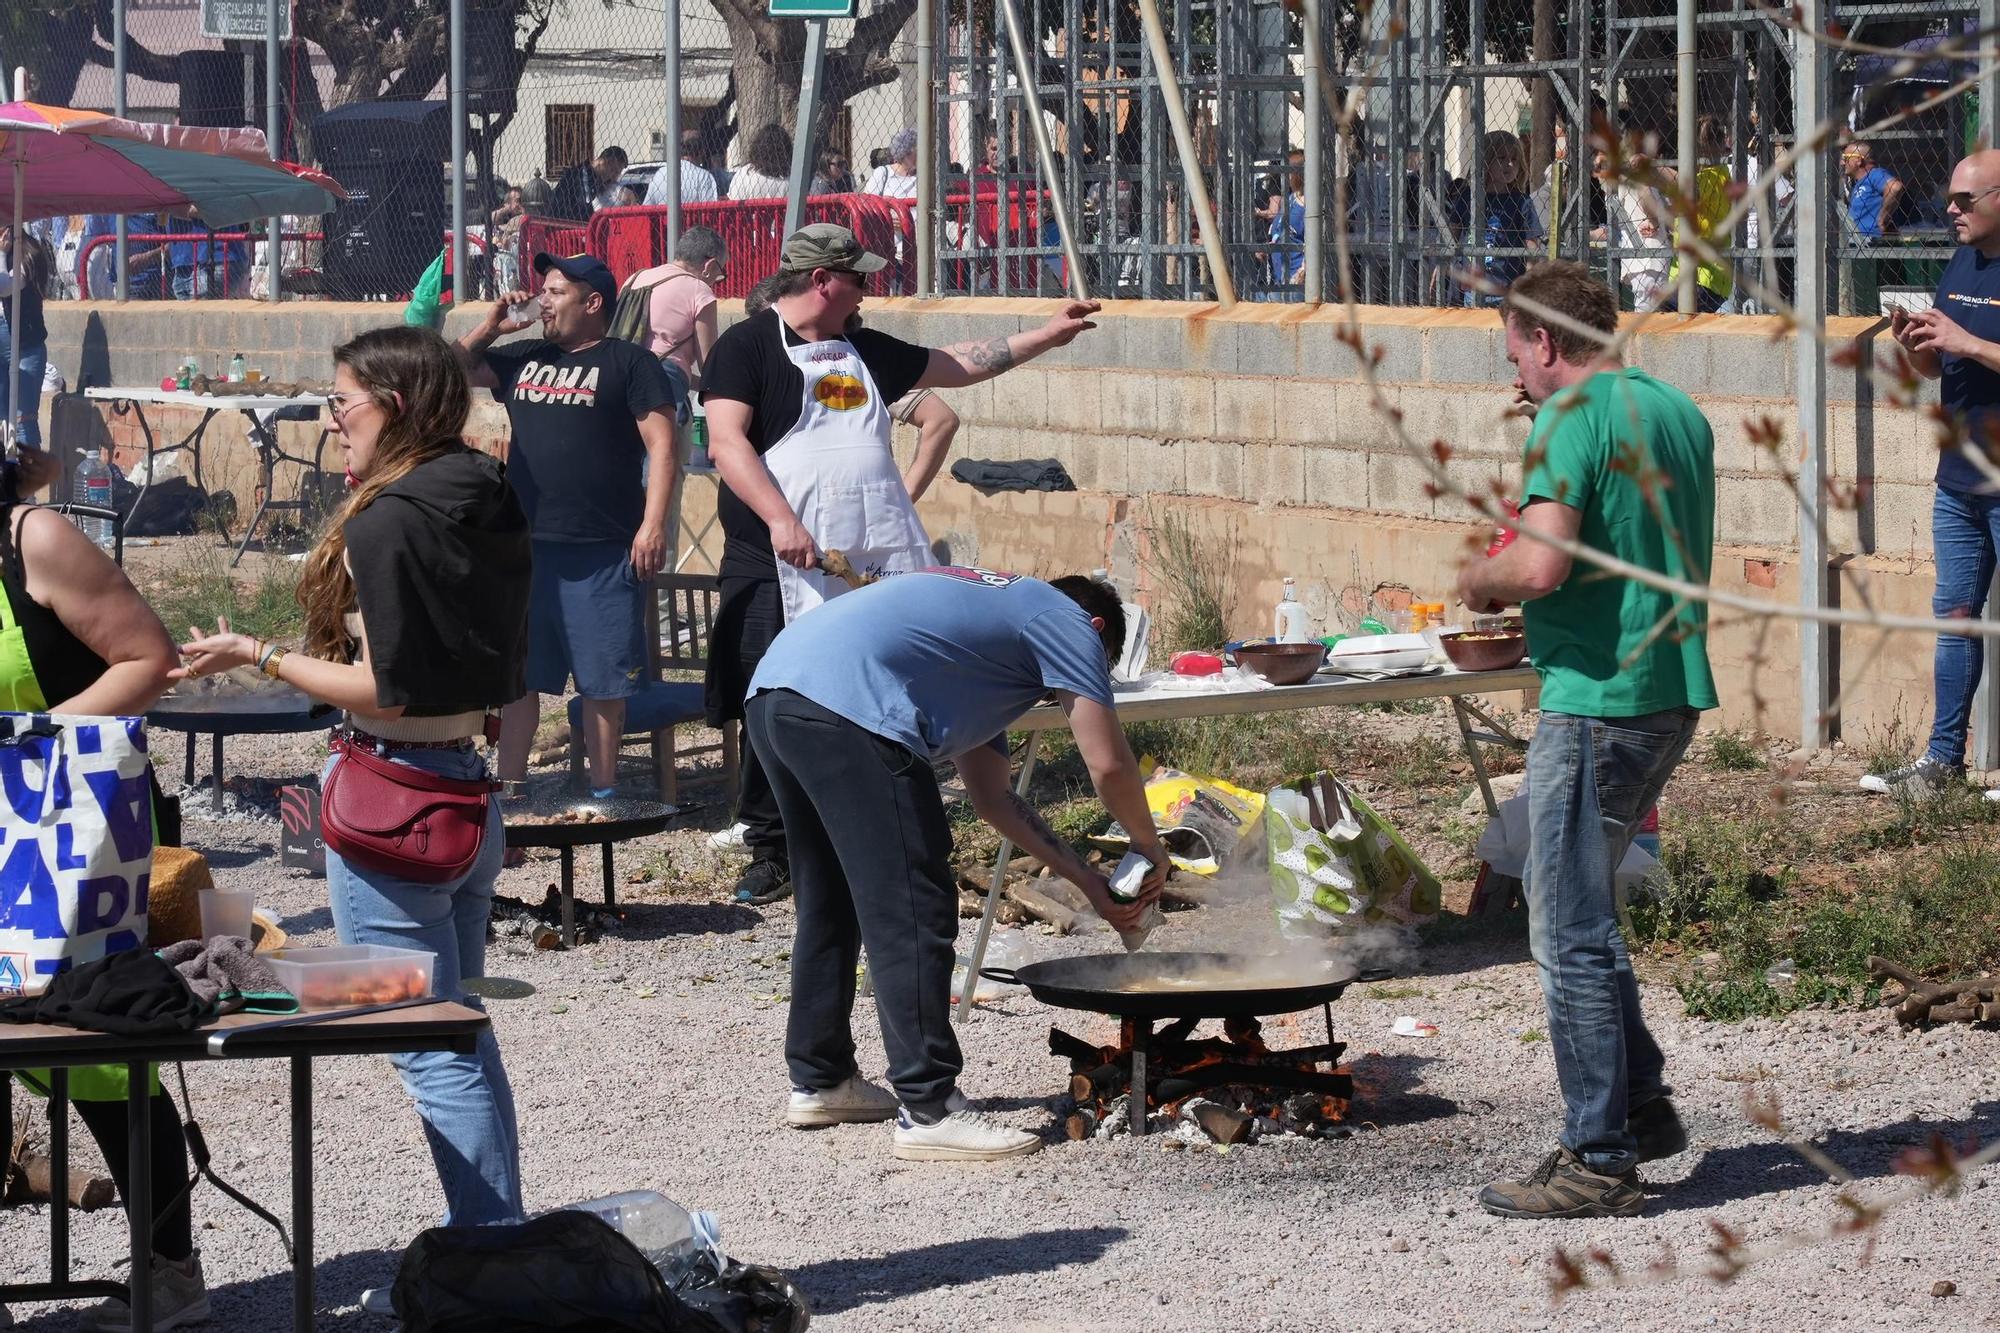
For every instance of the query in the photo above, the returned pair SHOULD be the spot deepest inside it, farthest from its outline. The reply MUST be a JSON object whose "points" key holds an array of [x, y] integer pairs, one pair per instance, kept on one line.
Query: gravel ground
{"points": [[652, 1059]]}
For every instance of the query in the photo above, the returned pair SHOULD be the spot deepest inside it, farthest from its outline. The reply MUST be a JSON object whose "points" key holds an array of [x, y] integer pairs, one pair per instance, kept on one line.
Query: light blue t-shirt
{"points": [[939, 660]]}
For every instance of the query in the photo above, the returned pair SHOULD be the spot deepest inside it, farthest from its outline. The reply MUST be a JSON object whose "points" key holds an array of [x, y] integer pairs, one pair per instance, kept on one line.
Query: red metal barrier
{"points": [[548, 236], [973, 216], [632, 239]]}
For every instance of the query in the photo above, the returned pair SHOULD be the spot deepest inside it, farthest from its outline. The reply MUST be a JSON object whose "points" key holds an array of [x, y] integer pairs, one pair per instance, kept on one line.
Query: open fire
{"points": [[1230, 1089]]}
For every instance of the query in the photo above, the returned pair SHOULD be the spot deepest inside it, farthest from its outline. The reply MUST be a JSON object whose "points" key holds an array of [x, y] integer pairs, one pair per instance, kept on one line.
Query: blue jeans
{"points": [[34, 363], [1965, 531], [1590, 783], [465, 1100]]}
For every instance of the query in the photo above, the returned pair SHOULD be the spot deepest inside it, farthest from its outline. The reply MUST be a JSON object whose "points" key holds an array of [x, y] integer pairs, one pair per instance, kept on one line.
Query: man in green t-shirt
{"points": [[1622, 464]]}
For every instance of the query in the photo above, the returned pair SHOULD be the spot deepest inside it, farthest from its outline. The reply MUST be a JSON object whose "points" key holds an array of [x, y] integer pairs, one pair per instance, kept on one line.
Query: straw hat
{"points": [[173, 911]]}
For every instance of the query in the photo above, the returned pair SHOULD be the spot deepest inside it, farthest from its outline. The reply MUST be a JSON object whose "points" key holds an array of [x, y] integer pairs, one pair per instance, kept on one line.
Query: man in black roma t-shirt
{"points": [[798, 426], [590, 416]]}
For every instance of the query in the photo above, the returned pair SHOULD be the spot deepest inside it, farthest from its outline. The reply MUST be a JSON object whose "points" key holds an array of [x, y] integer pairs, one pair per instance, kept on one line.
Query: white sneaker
{"points": [[964, 1135], [180, 1297], [729, 839], [852, 1102]]}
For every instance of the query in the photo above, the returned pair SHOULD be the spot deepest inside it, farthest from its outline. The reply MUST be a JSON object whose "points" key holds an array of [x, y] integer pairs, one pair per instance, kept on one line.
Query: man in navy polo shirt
{"points": [[1957, 342], [849, 709]]}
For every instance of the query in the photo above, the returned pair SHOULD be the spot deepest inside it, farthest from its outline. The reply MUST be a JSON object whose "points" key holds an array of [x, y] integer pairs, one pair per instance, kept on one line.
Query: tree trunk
{"points": [[766, 77]]}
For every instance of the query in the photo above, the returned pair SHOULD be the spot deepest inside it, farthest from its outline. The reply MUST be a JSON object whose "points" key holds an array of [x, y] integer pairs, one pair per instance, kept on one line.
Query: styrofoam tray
{"points": [[1398, 660]]}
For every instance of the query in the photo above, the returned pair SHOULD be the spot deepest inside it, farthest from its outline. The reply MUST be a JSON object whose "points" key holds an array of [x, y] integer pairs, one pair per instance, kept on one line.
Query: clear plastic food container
{"points": [[337, 975]]}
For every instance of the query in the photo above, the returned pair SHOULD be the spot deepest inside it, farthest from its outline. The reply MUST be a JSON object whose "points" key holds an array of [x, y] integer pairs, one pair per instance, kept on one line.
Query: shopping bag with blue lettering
{"points": [[76, 843]]}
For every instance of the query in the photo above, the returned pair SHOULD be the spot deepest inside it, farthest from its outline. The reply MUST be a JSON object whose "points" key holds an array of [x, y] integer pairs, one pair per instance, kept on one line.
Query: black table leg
{"points": [[610, 880], [215, 760], [139, 1200], [302, 1195], [187, 780], [264, 443], [568, 855], [58, 1171]]}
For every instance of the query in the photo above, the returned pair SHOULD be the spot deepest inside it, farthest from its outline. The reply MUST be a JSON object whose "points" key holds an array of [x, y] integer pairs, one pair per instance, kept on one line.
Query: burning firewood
{"points": [[1973, 1000]]}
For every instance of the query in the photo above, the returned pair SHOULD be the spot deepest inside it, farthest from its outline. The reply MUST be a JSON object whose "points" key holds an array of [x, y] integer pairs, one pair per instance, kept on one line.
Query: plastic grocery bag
{"points": [[76, 843], [1202, 820], [1504, 848], [1336, 865]]}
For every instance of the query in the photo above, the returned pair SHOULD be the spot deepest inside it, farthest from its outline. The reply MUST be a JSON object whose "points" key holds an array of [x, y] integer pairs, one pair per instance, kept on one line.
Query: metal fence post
{"points": [[119, 108], [456, 40], [1313, 279], [672, 167], [811, 80], [924, 233], [1983, 744], [1029, 73], [1197, 187], [274, 237], [1685, 91], [1809, 310]]}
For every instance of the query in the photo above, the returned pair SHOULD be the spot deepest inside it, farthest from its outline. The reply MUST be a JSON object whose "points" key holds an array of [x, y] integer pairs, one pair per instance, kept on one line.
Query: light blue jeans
{"points": [[1590, 783], [34, 364], [465, 1100]]}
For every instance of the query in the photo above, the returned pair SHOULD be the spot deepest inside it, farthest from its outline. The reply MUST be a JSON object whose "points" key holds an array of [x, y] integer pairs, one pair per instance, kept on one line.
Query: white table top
{"points": [[240, 402], [1320, 692]]}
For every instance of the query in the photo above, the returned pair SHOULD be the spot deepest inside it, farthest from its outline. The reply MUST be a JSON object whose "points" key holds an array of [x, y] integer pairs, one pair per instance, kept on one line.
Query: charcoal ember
{"points": [[1116, 1120]]}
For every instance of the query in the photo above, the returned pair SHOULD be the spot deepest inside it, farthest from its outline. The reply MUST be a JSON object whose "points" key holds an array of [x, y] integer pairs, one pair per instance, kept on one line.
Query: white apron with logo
{"points": [[838, 473]]}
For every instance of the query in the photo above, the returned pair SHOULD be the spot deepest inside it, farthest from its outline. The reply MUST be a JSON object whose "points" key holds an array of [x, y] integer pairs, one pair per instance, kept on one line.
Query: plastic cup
{"points": [[226, 912]]}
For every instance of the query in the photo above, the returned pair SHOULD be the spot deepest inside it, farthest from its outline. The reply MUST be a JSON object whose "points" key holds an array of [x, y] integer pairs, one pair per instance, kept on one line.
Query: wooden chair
{"points": [[680, 620]]}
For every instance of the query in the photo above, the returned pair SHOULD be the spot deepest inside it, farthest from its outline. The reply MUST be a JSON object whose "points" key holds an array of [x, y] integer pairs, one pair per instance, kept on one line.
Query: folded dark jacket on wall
{"points": [[1029, 474]]}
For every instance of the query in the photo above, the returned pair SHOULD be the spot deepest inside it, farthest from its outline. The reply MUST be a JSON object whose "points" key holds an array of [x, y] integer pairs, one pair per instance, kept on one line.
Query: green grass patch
{"points": [[1395, 992], [1732, 752], [202, 588]]}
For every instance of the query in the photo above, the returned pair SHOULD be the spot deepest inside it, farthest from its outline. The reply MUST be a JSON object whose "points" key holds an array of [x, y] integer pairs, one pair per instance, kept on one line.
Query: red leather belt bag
{"points": [[400, 820]]}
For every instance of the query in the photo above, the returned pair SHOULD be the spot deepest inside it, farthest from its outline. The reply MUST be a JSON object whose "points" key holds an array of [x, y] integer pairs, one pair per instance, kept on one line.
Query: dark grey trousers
{"points": [[871, 865]]}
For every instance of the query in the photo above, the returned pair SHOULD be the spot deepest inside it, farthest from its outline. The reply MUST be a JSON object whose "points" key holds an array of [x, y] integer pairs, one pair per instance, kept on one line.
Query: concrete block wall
{"points": [[1257, 423]]}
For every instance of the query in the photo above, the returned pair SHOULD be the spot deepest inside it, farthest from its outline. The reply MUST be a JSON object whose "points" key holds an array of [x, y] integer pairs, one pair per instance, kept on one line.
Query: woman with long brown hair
{"points": [[416, 604]]}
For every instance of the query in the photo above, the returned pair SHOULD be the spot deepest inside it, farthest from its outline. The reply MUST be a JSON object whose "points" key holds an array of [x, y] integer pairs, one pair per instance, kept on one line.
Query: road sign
{"points": [[244, 20], [802, 9]]}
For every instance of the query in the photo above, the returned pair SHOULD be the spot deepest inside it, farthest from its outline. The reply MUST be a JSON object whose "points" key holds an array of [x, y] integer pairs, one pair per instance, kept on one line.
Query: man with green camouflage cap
{"points": [[799, 428], [827, 245]]}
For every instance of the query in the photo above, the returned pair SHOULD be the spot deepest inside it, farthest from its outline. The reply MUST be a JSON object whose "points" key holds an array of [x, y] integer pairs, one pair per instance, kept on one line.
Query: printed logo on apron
{"points": [[837, 471]]}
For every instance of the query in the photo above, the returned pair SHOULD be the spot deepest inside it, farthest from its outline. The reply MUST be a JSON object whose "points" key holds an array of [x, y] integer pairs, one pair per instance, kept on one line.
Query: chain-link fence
{"points": [[1471, 153]]}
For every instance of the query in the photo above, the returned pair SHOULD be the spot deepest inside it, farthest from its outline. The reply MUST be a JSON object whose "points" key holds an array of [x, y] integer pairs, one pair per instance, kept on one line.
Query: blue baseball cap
{"points": [[586, 269]]}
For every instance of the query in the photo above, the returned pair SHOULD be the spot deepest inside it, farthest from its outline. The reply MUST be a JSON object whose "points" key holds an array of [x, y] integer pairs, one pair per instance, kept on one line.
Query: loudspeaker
{"points": [[489, 45], [212, 87], [387, 231]]}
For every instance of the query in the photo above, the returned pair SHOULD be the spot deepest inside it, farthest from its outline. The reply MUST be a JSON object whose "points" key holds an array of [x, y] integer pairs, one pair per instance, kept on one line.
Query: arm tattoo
{"points": [[1032, 817], [990, 357]]}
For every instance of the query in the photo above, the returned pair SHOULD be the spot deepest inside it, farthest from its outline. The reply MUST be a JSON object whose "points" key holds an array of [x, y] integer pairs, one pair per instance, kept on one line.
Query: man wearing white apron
{"points": [[799, 428]]}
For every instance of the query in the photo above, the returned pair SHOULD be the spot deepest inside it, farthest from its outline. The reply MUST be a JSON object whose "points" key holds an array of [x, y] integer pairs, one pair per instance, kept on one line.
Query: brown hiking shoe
{"points": [[1562, 1186]]}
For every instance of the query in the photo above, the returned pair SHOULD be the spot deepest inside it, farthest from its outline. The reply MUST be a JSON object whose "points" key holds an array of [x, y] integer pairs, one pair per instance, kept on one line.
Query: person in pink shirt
{"points": [[681, 309]]}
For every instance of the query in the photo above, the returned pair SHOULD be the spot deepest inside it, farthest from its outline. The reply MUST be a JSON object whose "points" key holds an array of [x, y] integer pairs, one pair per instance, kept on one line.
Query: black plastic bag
{"points": [[563, 1271], [573, 1271]]}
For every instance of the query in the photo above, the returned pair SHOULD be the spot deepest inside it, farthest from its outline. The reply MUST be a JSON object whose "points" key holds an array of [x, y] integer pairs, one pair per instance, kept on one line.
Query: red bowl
{"points": [[1485, 650]]}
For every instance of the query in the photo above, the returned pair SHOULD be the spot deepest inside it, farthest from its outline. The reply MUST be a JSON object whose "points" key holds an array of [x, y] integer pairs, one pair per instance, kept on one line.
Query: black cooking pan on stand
{"points": [[1179, 985]]}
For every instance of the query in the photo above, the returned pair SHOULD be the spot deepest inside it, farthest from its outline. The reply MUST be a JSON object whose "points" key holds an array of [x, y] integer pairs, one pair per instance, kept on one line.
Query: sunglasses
{"points": [[1963, 200], [340, 404]]}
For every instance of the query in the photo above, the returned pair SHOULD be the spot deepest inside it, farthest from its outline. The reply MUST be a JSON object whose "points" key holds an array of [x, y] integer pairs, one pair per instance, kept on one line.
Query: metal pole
{"points": [[1809, 310], [673, 164], [1170, 96], [924, 237], [1684, 91], [1313, 279], [1989, 85], [1984, 740], [118, 108], [274, 142], [16, 250], [456, 38], [802, 148], [1045, 153]]}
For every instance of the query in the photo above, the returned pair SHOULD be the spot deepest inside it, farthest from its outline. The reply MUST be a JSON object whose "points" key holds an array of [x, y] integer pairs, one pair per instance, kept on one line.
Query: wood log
{"points": [[33, 1178], [1219, 1122], [970, 904], [1181, 1087], [1080, 1053], [1066, 893], [1080, 1124], [1102, 1083], [1031, 899], [1922, 1001]]}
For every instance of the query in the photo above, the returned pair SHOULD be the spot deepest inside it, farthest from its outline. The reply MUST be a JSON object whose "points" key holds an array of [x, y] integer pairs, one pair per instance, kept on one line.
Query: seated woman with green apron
{"points": [[76, 637]]}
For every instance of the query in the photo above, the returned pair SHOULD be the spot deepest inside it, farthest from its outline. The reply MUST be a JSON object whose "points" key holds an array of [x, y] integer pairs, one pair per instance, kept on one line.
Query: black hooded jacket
{"points": [[441, 565]]}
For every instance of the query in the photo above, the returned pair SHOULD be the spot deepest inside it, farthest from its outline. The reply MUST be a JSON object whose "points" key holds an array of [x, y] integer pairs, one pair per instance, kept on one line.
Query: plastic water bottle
{"points": [[92, 486], [666, 1233], [236, 368]]}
